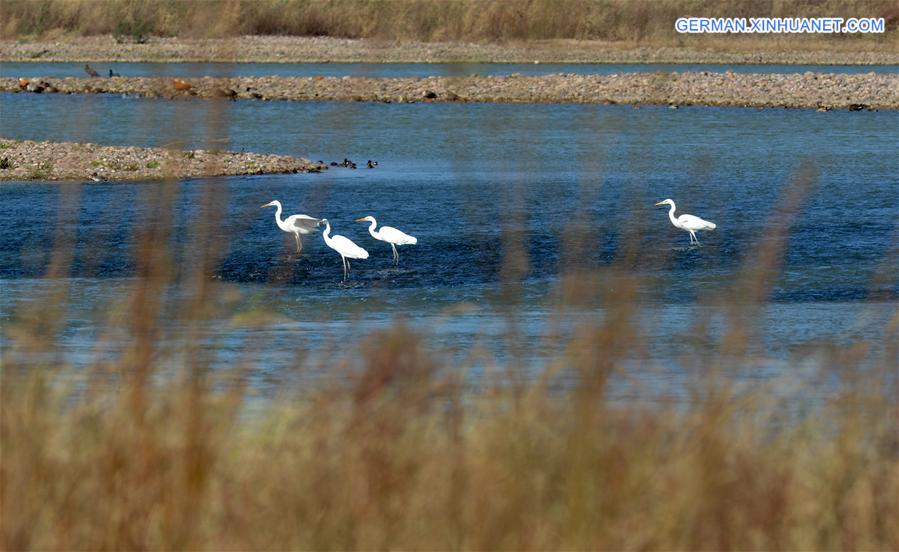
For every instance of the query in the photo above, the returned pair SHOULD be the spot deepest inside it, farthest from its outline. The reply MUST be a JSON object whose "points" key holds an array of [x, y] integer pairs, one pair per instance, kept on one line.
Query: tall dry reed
{"points": [[429, 20]]}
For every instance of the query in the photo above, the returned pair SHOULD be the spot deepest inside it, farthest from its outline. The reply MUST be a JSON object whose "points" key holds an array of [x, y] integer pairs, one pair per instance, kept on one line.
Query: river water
{"points": [[512, 206]]}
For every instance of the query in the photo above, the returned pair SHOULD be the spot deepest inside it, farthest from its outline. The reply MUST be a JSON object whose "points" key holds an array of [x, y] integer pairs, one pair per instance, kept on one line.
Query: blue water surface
{"points": [[510, 204]]}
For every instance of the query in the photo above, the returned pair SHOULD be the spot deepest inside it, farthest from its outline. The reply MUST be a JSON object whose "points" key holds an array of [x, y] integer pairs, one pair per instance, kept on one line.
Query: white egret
{"points": [[298, 225], [687, 222], [390, 235], [343, 245]]}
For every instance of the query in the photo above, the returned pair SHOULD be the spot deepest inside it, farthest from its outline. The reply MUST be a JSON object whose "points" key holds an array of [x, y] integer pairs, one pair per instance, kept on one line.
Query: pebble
{"points": [[875, 91], [280, 49], [28, 160]]}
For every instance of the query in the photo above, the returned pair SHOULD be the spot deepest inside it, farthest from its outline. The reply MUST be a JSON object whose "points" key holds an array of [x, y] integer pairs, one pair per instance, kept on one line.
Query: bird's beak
{"points": [[659, 203], [360, 219], [266, 205]]}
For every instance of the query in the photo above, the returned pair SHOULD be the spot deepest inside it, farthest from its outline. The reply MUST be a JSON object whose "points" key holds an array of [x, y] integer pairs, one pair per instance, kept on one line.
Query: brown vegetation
{"points": [[451, 20]]}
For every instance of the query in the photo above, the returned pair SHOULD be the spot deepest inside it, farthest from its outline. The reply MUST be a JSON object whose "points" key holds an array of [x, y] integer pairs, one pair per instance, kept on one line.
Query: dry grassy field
{"points": [[639, 22]]}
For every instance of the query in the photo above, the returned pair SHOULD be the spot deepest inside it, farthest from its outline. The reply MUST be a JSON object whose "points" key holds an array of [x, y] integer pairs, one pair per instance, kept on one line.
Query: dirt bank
{"points": [[286, 49], [27, 160], [808, 90]]}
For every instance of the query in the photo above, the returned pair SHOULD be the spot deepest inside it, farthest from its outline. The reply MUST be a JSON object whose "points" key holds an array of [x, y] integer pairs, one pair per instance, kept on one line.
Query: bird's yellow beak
{"points": [[266, 205], [360, 219], [659, 203]]}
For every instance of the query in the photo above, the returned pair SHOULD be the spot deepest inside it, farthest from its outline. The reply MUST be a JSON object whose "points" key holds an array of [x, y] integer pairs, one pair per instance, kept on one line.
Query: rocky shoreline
{"points": [[807, 90], [28, 160], [293, 49]]}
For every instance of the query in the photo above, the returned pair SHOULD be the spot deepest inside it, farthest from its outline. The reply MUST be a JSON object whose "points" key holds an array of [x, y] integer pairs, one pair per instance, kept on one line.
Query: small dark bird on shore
{"points": [[90, 71], [113, 74]]}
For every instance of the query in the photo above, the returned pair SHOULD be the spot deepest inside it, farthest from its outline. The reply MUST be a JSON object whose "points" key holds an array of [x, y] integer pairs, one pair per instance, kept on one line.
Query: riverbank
{"points": [[27, 160], [807, 90], [296, 49]]}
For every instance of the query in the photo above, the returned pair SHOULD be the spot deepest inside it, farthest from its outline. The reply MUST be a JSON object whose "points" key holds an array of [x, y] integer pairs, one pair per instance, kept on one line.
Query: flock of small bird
{"points": [[350, 164], [301, 225]]}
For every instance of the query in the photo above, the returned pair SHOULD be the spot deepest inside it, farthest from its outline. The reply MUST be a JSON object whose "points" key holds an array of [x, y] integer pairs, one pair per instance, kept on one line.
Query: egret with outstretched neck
{"points": [[344, 246], [688, 223], [298, 225], [390, 235]]}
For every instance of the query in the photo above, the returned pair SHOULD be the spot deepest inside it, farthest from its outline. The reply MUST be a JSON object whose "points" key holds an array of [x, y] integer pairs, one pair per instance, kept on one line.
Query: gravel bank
{"points": [[27, 160], [808, 90], [322, 49]]}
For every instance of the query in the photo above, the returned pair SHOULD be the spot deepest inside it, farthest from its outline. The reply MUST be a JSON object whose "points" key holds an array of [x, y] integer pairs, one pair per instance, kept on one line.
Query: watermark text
{"points": [[762, 25]]}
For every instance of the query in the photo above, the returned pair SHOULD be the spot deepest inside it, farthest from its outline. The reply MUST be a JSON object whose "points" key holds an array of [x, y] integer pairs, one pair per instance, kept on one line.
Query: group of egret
{"points": [[301, 225]]}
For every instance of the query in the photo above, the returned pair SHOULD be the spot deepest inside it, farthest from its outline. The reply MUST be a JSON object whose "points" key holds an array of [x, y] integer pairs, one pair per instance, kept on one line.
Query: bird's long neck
{"points": [[671, 215], [371, 228], [327, 233], [278, 216]]}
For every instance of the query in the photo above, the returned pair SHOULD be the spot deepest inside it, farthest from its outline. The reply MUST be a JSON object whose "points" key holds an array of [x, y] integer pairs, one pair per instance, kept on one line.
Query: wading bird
{"points": [[298, 225], [390, 235], [343, 245], [688, 223], [90, 71]]}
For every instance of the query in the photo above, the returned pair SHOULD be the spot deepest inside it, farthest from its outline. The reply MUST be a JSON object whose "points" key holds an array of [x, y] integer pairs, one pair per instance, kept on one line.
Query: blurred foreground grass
{"points": [[404, 458], [397, 451]]}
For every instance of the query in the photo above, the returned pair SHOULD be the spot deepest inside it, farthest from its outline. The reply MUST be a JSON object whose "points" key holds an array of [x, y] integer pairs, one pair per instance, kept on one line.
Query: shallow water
{"points": [[59, 70], [478, 184]]}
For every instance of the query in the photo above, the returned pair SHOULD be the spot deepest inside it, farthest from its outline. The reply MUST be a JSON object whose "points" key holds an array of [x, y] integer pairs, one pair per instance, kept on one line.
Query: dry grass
{"points": [[397, 452], [641, 21], [402, 458]]}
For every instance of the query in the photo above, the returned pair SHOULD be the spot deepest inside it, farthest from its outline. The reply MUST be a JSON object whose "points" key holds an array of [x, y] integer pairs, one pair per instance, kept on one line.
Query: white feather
{"points": [[347, 248], [394, 236]]}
